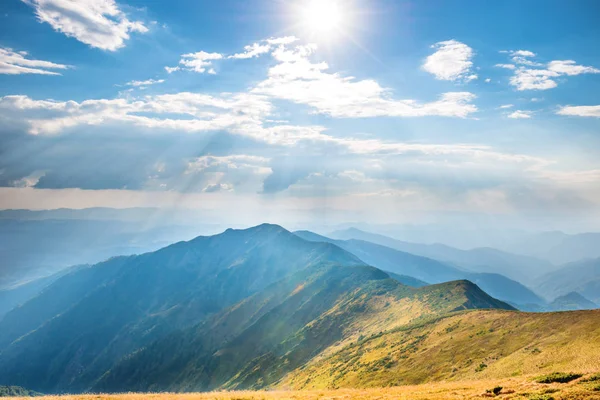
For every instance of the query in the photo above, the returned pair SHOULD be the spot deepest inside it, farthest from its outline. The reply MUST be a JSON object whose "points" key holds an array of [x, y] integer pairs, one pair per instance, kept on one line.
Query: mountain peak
{"points": [[264, 227]]}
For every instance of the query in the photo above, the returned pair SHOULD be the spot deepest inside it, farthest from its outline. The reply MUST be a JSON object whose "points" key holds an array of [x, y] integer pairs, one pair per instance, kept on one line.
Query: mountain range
{"points": [[256, 308], [483, 259], [582, 277], [430, 270]]}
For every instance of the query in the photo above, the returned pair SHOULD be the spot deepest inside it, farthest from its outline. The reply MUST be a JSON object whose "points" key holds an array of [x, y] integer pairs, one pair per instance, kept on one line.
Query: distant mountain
{"points": [[81, 324], [474, 345], [407, 280], [582, 277], [558, 247], [485, 260], [14, 296], [35, 248], [256, 342], [570, 302], [430, 270]]}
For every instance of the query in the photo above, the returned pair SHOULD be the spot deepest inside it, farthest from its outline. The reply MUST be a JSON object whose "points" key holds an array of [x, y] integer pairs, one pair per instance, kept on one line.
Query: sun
{"points": [[322, 17]]}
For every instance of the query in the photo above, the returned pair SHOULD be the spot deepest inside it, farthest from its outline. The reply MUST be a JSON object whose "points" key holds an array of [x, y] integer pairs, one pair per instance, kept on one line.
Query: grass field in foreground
{"points": [[512, 388]]}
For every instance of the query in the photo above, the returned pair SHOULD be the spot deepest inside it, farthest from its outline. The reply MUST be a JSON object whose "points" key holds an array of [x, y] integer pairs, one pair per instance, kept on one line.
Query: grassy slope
{"points": [[468, 345], [308, 315], [512, 388]]}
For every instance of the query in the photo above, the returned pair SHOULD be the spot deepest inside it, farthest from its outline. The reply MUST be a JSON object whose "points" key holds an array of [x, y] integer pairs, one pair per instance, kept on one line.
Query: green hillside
{"points": [[79, 326], [255, 343], [464, 346]]}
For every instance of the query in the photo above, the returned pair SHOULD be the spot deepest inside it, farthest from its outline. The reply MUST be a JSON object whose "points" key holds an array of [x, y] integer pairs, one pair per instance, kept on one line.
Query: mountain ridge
{"points": [[521, 268], [430, 270]]}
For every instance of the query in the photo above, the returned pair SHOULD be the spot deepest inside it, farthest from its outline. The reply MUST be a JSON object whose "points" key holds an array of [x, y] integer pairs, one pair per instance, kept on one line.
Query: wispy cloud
{"points": [[200, 62], [147, 82], [99, 24], [580, 111], [16, 63], [520, 114], [451, 61], [532, 75]]}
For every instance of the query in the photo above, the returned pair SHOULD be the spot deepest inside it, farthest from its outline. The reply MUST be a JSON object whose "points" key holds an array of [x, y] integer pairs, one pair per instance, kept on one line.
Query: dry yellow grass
{"points": [[512, 388], [508, 344]]}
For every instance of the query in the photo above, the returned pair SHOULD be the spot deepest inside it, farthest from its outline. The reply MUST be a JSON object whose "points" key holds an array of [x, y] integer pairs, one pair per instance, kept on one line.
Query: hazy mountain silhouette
{"points": [[571, 301], [582, 277], [430, 270], [78, 326], [558, 247], [483, 259]]}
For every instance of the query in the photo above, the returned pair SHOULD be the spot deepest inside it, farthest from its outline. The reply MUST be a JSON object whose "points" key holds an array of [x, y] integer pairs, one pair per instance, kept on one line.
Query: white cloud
{"points": [[451, 61], [520, 114], [580, 111], [488, 80], [507, 106], [200, 62], [241, 114], [98, 23], [532, 75], [16, 63], [296, 78], [253, 50], [534, 79], [199, 112], [147, 82], [28, 181], [523, 57], [522, 53], [570, 67]]}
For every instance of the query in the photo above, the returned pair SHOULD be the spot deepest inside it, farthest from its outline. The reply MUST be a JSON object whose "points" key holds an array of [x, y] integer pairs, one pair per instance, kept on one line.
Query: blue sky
{"points": [[384, 110]]}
